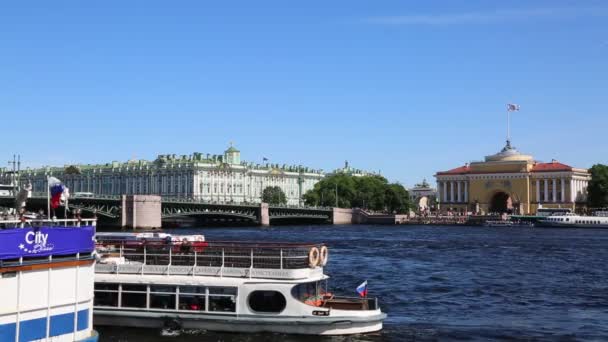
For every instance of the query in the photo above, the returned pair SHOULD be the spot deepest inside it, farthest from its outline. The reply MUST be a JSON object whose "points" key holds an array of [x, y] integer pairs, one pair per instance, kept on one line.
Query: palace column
{"points": [[451, 191], [466, 192], [546, 197], [554, 190], [444, 186], [571, 190], [563, 197], [459, 196], [538, 190]]}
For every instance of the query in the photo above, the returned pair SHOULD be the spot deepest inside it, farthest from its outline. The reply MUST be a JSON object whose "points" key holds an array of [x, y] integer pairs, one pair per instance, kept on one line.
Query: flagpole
{"points": [[48, 197], [508, 124]]}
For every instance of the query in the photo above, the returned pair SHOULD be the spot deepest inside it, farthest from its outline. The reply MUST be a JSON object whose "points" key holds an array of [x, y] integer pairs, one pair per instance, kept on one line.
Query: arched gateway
{"points": [[501, 202]]}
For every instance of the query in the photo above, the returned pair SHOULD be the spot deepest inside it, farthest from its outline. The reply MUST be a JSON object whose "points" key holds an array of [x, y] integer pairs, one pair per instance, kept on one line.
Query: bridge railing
{"points": [[209, 254]]}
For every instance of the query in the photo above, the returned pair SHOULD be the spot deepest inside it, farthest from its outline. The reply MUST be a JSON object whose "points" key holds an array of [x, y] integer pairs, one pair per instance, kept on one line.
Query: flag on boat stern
{"points": [[57, 189], [362, 289], [511, 107]]}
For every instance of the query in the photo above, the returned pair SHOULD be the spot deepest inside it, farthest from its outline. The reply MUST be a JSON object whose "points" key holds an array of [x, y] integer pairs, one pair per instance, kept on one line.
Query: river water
{"points": [[448, 283]]}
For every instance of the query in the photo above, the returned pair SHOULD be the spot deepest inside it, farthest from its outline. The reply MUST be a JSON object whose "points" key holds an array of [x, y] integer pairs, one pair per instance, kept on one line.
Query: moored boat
{"points": [[187, 282], [46, 280], [574, 221], [498, 223]]}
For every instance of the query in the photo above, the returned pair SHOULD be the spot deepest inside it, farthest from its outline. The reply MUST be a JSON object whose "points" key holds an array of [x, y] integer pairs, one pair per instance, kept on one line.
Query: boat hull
{"points": [[248, 324], [571, 225]]}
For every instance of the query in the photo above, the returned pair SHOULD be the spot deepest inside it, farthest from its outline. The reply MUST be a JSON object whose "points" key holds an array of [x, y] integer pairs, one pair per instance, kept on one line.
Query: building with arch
{"points": [[423, 196], [512, 182]]}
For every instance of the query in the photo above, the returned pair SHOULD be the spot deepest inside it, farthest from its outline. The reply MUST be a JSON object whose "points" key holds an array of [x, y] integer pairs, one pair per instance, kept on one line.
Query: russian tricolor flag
{"points": [[56, 189], [362, 289]]}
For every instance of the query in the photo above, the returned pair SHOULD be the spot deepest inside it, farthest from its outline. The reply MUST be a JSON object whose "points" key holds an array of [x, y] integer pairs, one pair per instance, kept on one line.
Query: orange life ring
{"points": [[313, 257], [324, 255]]}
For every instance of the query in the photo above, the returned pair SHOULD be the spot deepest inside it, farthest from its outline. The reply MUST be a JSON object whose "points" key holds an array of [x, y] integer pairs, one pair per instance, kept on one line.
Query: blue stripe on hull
{"points": [[8, 332], [35, 329]]}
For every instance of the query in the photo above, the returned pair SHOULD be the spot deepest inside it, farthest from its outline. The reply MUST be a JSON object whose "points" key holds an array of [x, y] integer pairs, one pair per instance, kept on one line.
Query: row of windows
{"points": [[166, 297], [567, 219], [185, 298]]}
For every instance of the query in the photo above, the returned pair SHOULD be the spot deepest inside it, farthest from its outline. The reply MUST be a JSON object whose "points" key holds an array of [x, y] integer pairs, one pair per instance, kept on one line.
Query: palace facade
{"points": [[510, 181], [215, 178]]}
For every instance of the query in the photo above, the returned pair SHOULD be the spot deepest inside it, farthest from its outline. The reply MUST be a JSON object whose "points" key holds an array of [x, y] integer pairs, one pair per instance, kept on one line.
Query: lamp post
{"points": [[336, 195]]}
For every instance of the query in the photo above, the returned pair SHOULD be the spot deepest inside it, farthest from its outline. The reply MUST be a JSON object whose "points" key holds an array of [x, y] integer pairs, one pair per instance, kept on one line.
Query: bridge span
{"points": [[152, 211]]}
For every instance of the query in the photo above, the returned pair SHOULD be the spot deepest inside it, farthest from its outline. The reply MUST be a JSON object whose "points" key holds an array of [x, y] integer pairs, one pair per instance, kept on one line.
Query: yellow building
{"points": [[510, 181]]}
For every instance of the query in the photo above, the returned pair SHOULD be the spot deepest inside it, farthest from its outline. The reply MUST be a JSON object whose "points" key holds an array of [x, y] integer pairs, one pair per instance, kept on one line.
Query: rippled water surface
{"points": [[448, 283]]}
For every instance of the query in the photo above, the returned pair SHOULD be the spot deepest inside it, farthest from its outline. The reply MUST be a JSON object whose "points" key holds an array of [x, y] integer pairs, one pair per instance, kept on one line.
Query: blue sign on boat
{"points": [[45, 241]]}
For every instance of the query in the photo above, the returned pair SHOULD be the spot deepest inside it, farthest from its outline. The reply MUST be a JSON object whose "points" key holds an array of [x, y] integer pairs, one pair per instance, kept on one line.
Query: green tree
{"points": [[72, 170], [397, 199], [370, 192], [274, 195], [597, 189]]}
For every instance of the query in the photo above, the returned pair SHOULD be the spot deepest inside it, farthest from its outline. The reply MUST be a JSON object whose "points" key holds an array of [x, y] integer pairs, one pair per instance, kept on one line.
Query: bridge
{"points": [[146, 211]]}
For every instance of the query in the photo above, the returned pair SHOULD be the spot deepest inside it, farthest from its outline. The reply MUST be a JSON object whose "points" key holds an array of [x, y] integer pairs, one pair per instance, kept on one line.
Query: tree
{"points": [[397, 199], [369, 192], [274, 195], [597, 189], [72, 170]]}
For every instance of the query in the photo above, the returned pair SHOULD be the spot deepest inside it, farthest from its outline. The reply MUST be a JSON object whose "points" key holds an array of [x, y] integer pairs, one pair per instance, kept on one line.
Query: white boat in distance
{"points": [[574, 221], [160, 280]]}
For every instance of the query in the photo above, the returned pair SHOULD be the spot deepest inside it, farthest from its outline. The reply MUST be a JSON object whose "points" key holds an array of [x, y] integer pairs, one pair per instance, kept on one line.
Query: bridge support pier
{"points": [[141, 211], [342, 216], [264, 215]]}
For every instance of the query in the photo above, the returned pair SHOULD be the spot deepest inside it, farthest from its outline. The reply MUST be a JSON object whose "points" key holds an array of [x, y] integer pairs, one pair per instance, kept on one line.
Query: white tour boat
{"points": [[574, 221], [46, 280], [182, 281]]}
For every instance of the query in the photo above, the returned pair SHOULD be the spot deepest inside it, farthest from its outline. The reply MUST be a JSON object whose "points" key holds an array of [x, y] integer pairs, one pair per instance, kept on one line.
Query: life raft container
{"points": [[313, 257]]}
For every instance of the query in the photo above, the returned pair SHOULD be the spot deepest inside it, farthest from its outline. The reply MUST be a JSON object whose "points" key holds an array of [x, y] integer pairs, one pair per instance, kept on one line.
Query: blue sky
{"points": [[405, 87]]}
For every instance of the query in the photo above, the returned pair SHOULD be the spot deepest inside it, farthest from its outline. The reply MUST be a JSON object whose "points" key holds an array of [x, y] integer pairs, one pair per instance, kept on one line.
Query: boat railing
{"points": [[27, 223], [208, 254], [352, 303], [46, 259]]}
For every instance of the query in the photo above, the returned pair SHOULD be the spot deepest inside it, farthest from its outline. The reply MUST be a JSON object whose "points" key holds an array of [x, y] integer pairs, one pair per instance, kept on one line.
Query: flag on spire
{"points": [[511, 107]]}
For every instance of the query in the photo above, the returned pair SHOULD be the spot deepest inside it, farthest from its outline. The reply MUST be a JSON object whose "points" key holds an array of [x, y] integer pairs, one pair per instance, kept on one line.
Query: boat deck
{"points": [[218, 258]]}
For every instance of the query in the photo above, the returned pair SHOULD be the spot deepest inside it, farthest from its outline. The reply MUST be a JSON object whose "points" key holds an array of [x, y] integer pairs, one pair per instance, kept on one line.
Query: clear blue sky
{"points": [[405, 87]]}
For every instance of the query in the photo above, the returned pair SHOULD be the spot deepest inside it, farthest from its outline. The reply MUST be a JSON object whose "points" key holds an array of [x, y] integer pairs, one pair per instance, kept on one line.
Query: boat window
{"points": [[222, 290], [133, 296], [162, 297], [106, 287], [132, 287], [133, 300], [222, 299], [267, 301], [162, 288], [162, 301], [193, 302], [310, 293], [192, 289], [106, 294]]}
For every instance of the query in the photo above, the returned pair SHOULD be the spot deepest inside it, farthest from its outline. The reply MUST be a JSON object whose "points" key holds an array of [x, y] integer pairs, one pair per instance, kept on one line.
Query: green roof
{"points": [[232, 149]]}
